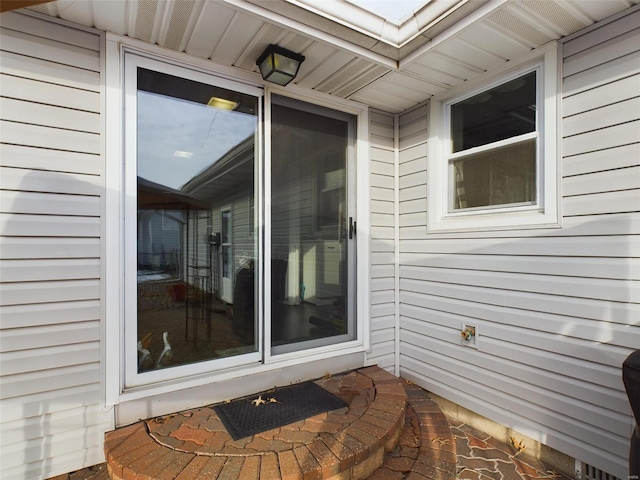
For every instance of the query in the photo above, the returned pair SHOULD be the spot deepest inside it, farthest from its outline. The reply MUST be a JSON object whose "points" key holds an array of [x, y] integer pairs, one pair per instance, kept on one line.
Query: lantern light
{"points": [[279, 65]]}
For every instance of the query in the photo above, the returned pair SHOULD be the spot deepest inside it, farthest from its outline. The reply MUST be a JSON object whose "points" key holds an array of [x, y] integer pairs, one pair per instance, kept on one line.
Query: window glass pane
{"points": [[497, 114], [501, 176], [226, 226], [195, 159], [309, 251]]}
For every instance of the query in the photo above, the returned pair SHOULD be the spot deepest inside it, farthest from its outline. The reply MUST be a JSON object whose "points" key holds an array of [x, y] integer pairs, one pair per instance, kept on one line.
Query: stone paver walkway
{"points": [[360, 442]]}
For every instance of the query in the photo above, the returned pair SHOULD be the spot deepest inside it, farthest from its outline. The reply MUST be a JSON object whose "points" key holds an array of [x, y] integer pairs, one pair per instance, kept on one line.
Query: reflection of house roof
{"points": [[232, 170], [154, 195]]}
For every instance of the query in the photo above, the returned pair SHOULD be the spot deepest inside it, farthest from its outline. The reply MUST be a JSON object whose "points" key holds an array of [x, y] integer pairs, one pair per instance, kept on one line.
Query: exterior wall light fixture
{"points": [[279, 65]]}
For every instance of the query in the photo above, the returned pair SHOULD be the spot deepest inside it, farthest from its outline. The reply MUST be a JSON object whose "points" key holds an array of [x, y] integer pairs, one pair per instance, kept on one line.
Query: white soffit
{"points": [[350, 52]]}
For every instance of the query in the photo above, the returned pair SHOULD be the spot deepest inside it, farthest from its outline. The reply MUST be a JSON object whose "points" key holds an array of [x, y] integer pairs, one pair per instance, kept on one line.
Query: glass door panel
{"points": [[226, 291], [311, 253], [195, 164]]}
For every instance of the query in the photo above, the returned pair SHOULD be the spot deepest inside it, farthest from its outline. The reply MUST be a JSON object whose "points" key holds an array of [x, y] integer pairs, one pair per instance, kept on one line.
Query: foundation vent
{"points": [[584, 471]]}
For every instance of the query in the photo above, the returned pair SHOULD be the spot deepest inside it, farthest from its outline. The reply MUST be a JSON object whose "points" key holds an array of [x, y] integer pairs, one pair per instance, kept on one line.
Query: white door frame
{"points": [[115, 244]]}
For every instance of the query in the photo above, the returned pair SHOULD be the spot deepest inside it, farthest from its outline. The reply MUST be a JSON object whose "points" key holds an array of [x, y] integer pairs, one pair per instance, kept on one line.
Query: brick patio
{"points": [[392, 430]]}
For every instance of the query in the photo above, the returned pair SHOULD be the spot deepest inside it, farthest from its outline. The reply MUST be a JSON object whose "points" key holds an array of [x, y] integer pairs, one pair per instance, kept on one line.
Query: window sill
{"points": [[493, 221]]}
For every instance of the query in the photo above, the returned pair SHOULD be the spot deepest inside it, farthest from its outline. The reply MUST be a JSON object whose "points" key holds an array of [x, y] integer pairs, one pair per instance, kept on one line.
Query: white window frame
{"points": [[544, 212]]}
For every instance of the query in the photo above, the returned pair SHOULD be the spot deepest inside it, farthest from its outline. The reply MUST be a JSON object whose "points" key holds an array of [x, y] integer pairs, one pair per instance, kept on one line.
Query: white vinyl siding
{"points": [[382, 244], [50, 209], [556, 310]]}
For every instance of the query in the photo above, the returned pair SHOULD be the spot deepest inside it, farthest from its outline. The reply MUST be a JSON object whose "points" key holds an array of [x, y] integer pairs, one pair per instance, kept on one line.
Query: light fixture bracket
{"points": [[279, 65]]}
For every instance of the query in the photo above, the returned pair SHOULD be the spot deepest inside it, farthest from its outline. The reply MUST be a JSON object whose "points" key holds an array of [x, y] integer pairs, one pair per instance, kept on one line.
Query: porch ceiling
{"points": [[389, 67]]}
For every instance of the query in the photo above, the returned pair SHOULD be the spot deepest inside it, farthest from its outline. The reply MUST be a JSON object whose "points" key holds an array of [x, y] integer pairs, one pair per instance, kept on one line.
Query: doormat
{"points": [[261, 412]]}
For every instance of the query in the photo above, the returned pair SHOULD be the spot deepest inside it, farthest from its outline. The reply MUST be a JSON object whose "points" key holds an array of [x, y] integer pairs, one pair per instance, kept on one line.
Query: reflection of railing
{"points": [[199, 302]]}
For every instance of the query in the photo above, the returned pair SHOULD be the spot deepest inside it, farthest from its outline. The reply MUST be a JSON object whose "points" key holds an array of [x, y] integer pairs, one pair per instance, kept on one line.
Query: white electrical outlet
{"points": [[469, 335]]}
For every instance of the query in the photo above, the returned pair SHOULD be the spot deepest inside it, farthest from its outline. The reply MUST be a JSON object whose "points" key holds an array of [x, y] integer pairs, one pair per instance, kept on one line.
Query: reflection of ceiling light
{"points": [[222, 103], [482, 98], [182, 154], [511, 86]]}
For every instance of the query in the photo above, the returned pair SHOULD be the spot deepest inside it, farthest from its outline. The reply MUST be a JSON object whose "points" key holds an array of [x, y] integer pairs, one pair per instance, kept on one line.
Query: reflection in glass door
{"points": [[194, 151], [226, 251], [312, 237]]}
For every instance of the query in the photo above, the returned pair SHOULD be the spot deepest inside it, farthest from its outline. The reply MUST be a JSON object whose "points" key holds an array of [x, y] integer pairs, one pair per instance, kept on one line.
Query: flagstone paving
{"points": [[364, 441]]}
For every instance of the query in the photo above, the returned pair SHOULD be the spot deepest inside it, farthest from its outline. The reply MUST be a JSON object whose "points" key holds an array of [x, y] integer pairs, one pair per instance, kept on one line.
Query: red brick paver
{"points": [[383, 435], [344, 443]]}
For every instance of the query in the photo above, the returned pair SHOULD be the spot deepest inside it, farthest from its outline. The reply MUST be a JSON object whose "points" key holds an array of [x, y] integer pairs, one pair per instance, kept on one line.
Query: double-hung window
{"points": [[492, 158], [493, 147]]}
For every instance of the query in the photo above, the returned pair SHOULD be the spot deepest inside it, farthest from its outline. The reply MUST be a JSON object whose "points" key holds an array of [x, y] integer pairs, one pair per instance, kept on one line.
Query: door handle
{"points": [[352, 228]]}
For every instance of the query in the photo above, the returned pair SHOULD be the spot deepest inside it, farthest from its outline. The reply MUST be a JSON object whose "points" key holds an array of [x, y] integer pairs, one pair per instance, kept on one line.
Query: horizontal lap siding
{"points": [[412, 173], [50, 213], [382, 242], [557, 310]]}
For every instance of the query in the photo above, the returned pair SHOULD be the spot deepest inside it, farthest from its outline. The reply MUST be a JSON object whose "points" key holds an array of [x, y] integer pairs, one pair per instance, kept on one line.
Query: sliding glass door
{"points": [[312, 226], [212, 279], [192, 143]]}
